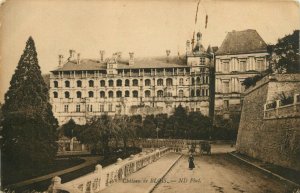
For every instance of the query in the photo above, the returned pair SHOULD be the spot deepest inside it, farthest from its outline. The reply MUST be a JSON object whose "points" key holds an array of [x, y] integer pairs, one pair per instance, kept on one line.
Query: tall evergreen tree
{"points": [[29, 127]]}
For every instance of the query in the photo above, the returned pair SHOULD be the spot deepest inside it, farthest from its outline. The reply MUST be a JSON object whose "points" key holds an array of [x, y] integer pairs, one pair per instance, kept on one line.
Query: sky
{"points": [[146, 28]]}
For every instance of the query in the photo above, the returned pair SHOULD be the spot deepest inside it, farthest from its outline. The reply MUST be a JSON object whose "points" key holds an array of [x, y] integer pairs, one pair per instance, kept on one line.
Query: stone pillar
{"points": [[56, 181]]}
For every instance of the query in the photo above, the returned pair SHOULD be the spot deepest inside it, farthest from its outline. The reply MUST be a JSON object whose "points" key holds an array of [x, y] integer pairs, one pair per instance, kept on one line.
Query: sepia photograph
{"points": [[149, 96]]}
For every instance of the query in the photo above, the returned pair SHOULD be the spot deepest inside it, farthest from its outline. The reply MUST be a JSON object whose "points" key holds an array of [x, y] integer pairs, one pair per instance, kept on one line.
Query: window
{"points": [[192, 93], [202, 61], [111, 83], [126, 93], [109, 107], [198, 80], [169, 82], [55, 95], [101, 108], [198, 92], [67, 84], [180, 93], [66, 108], [119, 94], [110, 94], [259, 65], [91, 94], [169, 94], [193, 81], [55, 83], [91, 83], [207, 79], [89, 108], [226, 66], [78, 94], [243, 65], [225, 87], [181, 81], [147, 82], [135, 82], [102, 94], [160, 82], [135, 94], [160, 93], [77, 108], [206, 92], [79, 83], [67, 95], [119, 82], [126, 82], [226, 104], [102, 83], [202, 92], [147, 93]]}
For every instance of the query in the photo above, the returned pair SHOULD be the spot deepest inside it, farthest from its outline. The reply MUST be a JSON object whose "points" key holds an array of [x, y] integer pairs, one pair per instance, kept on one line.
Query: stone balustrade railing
{"points": [[277, 109], [104, 177]]}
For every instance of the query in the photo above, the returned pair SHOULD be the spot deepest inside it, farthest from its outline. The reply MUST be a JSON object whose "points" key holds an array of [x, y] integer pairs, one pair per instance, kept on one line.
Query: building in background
{"points": [[242, 54], [83, 88]]}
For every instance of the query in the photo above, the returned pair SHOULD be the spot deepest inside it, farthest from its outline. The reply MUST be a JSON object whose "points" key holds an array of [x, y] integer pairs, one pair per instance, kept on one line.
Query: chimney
{"points": [[72, 55], [60, 60], [102, 52], [168, 54], [78, 58], [188, 46], [131, 58]]}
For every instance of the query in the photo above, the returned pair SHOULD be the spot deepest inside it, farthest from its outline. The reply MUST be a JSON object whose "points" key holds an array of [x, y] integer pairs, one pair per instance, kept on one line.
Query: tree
{"points": [[29, 127], [178, 122], [70, 129], [199, 126], [285, 54]]}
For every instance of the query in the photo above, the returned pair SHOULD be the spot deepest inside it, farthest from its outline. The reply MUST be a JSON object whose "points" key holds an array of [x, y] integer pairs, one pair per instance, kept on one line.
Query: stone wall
{"points": [[275, 140]]}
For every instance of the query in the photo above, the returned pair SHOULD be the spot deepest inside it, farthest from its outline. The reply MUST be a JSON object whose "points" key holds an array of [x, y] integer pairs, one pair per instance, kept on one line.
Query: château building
{"points": [[84, 88], [242, 54]]}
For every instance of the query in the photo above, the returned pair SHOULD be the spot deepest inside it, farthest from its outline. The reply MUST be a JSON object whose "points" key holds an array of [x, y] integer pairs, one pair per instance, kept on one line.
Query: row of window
{"points": [[259, 66], [89, 108], [135, 94], [135, 82]]}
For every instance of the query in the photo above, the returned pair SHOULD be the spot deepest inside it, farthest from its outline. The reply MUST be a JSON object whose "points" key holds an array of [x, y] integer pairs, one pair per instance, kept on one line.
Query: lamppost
{"points": [[157, 129]]}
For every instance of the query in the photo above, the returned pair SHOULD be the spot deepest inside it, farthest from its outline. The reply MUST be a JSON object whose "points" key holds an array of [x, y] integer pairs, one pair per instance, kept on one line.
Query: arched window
{"points": [[67, 95], [160, 93], [78, 94], [198, 92], [55, 95], [126, 93], [169, 82], [111, 83], [79, 83], [160, 82], [119, 94], [110, 94], [181, 81], [119, 82], [91, 83], [135, 82], [102, 83], [91, 94], [67, 83], [147, 93], [193, 81], [198, 80], [147, 82], [126, 82], [102, 94], [135, 94], [192, 93], [55, 83], [180, 93]]}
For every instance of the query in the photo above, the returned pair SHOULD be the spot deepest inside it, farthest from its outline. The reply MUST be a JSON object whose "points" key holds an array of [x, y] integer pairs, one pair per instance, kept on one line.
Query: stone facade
{"points": [[272, 132], [242, 54], [83, 88]]}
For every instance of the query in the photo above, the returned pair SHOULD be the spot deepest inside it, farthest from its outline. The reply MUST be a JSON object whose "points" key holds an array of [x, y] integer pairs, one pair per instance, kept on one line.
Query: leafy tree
{"points": [[199, 126], [161, 122], [149, 127], [98, 133], [178, 122], [285, 54], [29, 127], [70, 129]]}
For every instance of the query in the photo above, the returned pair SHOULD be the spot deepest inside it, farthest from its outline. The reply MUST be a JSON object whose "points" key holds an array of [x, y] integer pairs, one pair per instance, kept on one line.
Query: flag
{"points": [[197, 11], [206, 20]]}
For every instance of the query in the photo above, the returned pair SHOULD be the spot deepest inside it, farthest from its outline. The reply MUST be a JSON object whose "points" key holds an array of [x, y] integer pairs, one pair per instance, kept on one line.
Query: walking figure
{"points": [[191, 162]]}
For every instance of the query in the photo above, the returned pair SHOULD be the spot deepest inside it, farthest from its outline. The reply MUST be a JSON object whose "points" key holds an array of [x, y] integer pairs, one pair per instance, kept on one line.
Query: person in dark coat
{"points": [[191, 162]]}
